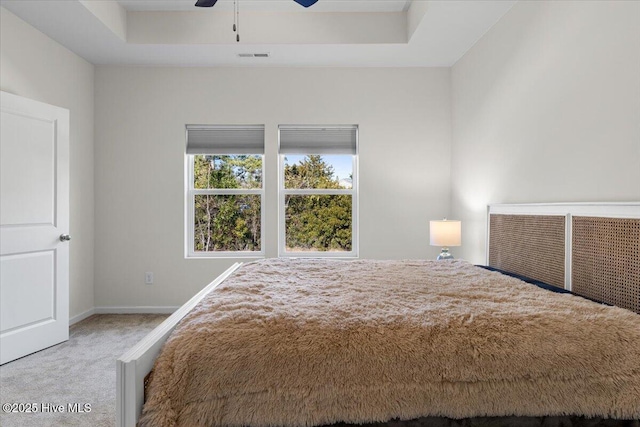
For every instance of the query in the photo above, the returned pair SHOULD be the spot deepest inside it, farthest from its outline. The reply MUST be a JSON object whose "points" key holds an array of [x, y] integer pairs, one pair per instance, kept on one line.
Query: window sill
{"points": [[225, 255]]}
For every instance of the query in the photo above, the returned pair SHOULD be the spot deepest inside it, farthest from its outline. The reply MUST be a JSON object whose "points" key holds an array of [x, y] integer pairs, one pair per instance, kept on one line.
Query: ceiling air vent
{"points": [[253, 55]]}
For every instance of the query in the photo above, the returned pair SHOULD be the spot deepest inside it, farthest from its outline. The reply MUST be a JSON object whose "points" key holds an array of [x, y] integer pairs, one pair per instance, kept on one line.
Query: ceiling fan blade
{"points": [[306, 3], [205, 3]]}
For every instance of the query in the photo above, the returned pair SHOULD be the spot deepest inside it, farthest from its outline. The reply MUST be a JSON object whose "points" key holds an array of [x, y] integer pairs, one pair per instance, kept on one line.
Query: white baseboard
{"points": [[135, 310], [120, 310], [80, 317]]}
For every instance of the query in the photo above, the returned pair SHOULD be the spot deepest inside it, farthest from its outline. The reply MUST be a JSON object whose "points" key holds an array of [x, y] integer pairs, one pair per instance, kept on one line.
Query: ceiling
{"points": [[339, 33]]}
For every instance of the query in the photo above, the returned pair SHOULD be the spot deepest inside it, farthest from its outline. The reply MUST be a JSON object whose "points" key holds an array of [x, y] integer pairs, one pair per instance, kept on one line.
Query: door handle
{"points": [[65, 237]]}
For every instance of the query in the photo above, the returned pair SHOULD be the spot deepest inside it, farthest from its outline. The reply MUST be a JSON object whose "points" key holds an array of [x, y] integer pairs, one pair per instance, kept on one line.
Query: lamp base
{"points": [[445, 254]]}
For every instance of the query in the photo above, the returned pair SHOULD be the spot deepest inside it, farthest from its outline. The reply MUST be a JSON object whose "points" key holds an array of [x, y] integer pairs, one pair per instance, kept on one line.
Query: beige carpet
{"points": [[81, 370]]}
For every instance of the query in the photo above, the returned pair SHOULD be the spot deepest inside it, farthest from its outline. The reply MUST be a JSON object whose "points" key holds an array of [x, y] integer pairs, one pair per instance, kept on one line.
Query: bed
{"points": [[281, 342]]}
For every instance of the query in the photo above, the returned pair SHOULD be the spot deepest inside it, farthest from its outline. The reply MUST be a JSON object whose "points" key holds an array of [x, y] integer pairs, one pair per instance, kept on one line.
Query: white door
{"points": [[34, 213]]}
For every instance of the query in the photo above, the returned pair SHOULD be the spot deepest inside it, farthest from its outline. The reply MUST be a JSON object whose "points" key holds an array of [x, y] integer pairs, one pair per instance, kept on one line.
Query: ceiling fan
{"points": [[210, 3], [236, 11]]}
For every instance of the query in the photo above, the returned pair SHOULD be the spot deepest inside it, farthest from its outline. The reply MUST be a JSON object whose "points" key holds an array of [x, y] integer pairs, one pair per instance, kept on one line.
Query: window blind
{"points": [[318, 139], [225, 139]]}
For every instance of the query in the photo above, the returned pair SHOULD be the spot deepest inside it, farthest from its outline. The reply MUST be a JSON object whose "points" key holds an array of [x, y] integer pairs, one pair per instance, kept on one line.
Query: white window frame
{"points": [[191, 192], [283, 192]]}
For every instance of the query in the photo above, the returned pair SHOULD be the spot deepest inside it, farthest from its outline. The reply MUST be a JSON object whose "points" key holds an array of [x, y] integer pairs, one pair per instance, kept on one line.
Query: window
{"points": [[318, 191], [225, 194]]}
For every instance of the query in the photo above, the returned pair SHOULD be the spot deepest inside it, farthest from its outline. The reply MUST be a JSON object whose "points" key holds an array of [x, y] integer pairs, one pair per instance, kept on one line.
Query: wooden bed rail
{"points": [[133, 366]]}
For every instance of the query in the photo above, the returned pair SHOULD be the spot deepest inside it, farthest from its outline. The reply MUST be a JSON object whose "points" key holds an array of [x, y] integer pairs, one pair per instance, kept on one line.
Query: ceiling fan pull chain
{"points": [[234, 16]]}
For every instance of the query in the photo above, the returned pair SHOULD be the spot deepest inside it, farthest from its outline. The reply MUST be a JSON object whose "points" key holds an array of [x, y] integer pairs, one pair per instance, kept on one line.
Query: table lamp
{"points": [[445, 233]]}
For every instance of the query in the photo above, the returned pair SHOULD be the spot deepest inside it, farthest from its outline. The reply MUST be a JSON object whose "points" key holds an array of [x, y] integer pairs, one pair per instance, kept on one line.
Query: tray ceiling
{"points": [[337, 33]]}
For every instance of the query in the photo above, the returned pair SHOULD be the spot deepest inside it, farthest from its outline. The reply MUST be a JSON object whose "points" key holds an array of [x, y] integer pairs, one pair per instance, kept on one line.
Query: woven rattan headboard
{"points": [[529, 245], [591, 249], [607, 250]]}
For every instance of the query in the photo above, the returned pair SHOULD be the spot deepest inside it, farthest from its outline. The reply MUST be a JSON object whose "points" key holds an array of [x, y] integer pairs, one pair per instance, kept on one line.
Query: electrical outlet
{"points": [[148, 277]]}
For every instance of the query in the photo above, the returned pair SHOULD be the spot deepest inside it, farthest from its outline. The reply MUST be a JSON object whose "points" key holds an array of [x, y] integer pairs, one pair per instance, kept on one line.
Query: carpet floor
{"points": [[81, 370]]}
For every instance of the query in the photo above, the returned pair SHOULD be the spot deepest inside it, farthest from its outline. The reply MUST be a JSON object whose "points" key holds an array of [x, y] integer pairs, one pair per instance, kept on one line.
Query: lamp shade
{"points": [[445, 233]]}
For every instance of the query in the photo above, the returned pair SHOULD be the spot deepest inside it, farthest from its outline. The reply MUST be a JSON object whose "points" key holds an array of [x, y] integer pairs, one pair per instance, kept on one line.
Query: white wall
{"points": [[546, 108], [34, 66], [405, 133]]}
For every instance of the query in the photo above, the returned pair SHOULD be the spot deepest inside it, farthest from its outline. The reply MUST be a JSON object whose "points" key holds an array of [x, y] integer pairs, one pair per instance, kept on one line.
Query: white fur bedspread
{"points": [[314, 342]]}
